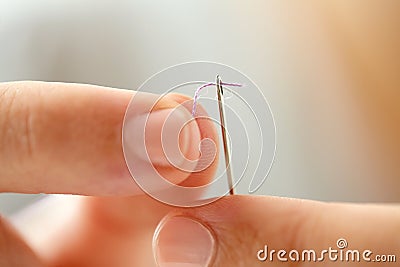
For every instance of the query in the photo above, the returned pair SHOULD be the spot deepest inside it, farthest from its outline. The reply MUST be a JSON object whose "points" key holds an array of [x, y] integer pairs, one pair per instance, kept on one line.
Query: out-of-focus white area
{"points": [[307, 57]]}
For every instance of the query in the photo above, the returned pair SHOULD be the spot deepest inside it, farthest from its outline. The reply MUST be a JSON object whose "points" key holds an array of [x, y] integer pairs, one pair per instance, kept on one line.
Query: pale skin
{"points": [[66, 138]]}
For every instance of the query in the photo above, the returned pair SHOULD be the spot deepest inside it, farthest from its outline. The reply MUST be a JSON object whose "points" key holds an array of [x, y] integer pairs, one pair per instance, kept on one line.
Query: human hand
{"points": [[117, 231], [66, 138]]}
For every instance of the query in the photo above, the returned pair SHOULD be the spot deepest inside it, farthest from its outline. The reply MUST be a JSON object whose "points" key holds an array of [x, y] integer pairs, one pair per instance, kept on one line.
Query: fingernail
{"points": [[162, 136], [183, 242]]}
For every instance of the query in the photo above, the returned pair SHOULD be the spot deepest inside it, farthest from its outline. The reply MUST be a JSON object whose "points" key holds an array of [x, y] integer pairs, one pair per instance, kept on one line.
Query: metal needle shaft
{"points": [[225, 139]]}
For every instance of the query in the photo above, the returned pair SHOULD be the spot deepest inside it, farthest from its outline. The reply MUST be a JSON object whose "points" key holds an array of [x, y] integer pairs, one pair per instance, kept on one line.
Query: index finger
{"points": [[66, 138]]}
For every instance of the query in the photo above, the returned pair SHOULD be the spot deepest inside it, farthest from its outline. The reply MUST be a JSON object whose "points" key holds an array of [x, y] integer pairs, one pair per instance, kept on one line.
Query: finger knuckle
{"points": [[17, 137]]}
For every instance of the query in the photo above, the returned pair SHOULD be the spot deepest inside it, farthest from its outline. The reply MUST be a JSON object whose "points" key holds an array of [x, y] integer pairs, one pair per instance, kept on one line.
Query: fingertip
{"points": [[183, 241], [207, 163]]}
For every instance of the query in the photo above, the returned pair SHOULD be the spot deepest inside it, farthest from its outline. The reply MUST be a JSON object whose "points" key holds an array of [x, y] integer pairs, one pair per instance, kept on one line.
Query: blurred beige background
{"points": [[329, 69]]}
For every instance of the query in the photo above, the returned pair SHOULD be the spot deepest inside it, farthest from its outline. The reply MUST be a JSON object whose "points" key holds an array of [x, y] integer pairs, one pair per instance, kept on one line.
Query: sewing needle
{"points": [[225, 139]]}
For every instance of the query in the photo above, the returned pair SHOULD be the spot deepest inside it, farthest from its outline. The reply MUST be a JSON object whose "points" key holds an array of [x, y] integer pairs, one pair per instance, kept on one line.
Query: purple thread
{"points": [[197, 93]]}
